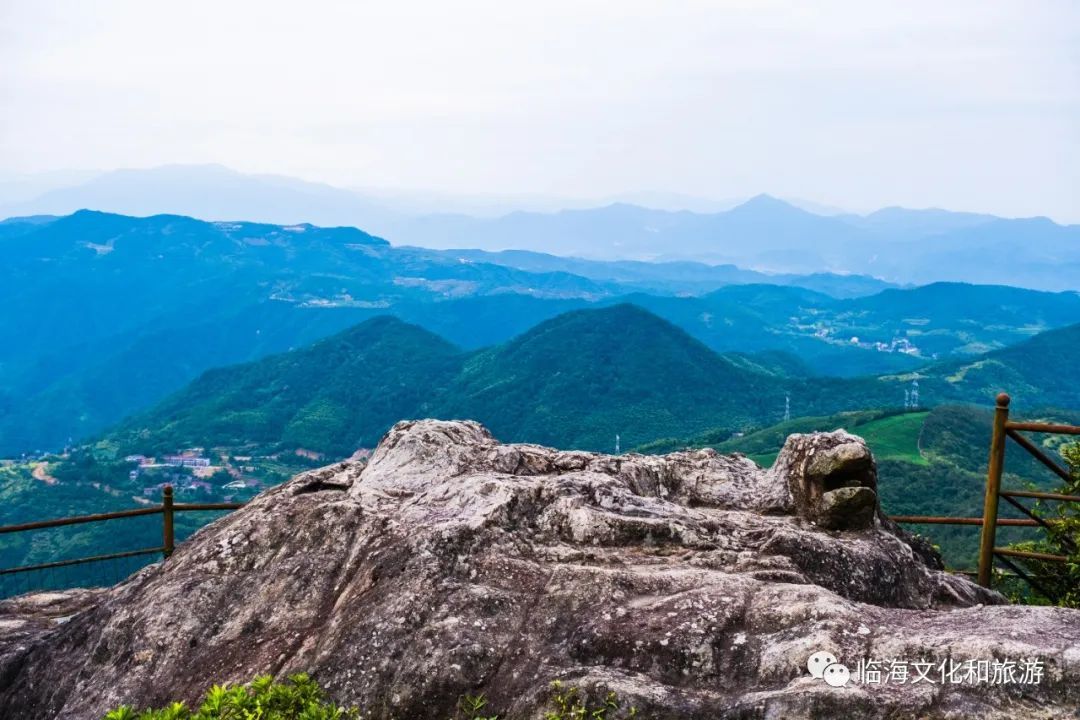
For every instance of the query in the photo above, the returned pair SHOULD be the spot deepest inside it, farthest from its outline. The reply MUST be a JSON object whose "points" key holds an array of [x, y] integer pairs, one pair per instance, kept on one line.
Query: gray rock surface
{"points": [[695, 585]]}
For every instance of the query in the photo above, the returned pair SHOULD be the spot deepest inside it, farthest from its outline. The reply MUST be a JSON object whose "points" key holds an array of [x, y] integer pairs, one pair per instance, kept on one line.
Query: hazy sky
{"points": [[966, 105]]}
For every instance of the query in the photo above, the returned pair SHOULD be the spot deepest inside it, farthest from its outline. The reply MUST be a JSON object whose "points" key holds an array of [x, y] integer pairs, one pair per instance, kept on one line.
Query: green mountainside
{"points": [[581, 378], [573, 381], [333, 397], [1040, 372], [576, 380], [947, 318], [111, 314]]}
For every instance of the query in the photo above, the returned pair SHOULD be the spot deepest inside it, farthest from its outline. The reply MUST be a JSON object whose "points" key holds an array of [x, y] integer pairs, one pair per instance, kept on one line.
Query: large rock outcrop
{"points": [[694, 585]]}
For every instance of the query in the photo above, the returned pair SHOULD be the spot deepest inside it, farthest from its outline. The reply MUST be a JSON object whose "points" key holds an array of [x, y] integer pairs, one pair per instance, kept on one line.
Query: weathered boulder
{"points": [[694, 585]]}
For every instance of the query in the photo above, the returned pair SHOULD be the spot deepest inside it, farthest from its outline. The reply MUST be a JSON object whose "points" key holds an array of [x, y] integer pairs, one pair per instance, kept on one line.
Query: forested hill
{"points": [[333, 397], [1037, 373], [581, 378], [573, 381]]}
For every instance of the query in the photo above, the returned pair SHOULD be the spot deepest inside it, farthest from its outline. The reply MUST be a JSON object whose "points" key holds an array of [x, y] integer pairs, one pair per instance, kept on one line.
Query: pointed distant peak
{"points": [[373, 327], [766, 202], [765, 198]]}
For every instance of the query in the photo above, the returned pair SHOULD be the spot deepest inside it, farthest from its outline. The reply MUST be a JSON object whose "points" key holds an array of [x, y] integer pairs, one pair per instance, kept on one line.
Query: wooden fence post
{"points": [[167, 520], [993, 488]]}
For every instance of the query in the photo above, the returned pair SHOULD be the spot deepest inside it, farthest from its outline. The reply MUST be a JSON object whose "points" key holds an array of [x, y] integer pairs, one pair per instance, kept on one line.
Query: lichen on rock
{"points": [[694, 585]]}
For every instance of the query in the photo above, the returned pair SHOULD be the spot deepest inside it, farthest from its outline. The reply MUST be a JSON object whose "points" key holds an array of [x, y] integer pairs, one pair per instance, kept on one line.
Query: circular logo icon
{"points": [[837, 675], [818, 662]]}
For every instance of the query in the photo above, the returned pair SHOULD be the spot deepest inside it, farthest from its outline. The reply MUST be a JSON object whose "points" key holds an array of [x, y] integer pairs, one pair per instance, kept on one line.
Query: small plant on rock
{"points": [[568, 703], [473, 707], [299, 698]]}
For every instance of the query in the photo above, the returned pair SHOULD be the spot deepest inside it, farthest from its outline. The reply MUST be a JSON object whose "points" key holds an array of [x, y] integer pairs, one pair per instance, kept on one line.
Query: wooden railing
{"points": [[1003, 429], [166, 509]]}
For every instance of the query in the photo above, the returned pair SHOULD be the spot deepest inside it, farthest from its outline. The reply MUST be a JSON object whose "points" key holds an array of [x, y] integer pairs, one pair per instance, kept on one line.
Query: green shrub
{"points": [[299, 698]]}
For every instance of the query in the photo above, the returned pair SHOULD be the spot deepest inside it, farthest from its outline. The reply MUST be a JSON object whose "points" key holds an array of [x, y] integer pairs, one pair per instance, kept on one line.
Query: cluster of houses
{"points": [[190, 470], [898, 344], [188, 458], [192, 459]]}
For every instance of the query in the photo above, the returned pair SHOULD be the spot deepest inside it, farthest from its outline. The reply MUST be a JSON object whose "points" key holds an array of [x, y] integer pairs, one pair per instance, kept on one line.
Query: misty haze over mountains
{"points": [[763, 233]]}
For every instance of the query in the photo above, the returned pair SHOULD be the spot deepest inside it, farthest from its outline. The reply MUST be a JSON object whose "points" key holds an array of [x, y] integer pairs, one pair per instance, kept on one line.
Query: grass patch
{"points": [[896, 437]]}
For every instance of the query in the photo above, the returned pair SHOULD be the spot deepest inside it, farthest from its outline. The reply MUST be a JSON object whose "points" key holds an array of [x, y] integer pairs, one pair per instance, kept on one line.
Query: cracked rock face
{"points": [[694, 585]]}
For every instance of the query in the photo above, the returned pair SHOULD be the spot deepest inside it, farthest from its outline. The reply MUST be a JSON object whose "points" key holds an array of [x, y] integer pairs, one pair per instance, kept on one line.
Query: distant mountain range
{"points": [[573, 381], [899, 245], [211, 192], [214, 192], [112, 313], [674, 277]]}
